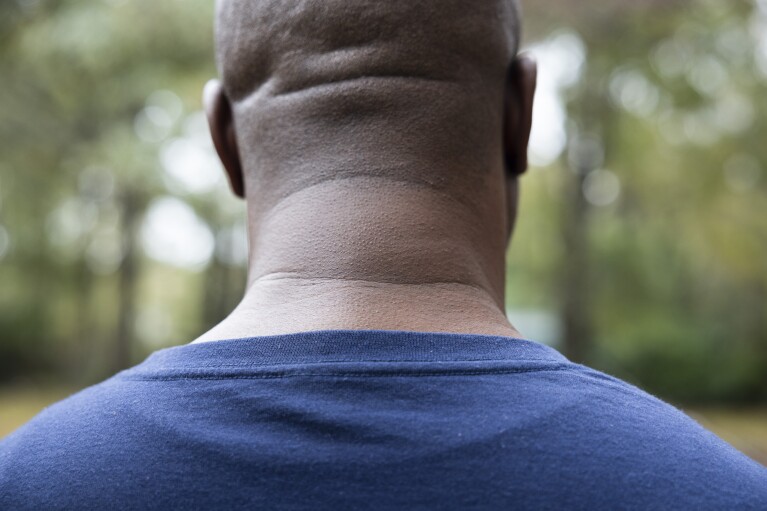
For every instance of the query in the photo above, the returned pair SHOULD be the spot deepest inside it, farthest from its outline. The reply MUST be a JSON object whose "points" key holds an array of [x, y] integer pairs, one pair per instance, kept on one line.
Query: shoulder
{"points": [[52, 461], [639, 445], [627, 413]]}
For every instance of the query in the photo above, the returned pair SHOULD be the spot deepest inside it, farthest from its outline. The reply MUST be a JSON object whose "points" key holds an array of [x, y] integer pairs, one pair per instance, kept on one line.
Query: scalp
{"points": [[409, 90], [291, 44]]}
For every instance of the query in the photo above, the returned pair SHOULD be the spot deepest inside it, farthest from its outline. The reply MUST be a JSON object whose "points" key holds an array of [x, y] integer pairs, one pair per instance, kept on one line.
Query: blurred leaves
{"points": [[670, 290]]}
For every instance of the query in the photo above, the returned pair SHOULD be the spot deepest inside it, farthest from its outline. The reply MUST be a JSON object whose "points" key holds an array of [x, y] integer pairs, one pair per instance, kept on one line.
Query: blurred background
{"points": [[641, 248]]}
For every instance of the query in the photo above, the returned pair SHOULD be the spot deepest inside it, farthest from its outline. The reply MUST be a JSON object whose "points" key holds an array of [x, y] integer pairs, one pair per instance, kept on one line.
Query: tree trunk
{"points": [[576, 315], [127, 282]]}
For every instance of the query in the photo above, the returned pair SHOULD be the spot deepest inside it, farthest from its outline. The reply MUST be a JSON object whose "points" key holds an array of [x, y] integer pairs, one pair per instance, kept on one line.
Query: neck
{"points": [[368, 253]]}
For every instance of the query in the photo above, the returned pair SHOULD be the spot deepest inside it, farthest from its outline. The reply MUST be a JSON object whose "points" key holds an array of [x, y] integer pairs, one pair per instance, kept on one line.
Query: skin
{"points": [[379, 147]]}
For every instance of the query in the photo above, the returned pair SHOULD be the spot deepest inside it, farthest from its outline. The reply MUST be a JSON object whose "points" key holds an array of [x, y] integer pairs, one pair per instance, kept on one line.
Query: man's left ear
{"points": [[221, 122], [520, 92]]}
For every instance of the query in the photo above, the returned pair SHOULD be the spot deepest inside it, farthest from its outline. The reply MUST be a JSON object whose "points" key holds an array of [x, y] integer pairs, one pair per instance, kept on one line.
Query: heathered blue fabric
{"points": [[369, 420]]}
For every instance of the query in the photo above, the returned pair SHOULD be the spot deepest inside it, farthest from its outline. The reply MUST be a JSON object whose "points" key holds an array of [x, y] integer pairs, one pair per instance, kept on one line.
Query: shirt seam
{"points": [[274, 376], [368, 361]]}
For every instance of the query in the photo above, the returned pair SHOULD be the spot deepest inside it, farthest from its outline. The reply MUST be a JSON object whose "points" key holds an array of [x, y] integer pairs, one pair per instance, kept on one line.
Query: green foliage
{"points": [[672, 282]]}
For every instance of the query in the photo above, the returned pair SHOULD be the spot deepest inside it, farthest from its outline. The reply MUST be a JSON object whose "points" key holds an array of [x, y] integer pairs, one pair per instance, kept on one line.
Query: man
{"points": [[370, 364]]}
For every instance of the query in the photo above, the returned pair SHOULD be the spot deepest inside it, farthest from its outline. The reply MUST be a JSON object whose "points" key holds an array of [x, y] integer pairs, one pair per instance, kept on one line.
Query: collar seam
{"points": [[344, 374]]}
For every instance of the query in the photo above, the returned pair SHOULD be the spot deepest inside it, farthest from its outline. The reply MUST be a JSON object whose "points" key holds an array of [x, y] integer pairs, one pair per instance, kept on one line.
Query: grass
{"points": [[744, 428]]}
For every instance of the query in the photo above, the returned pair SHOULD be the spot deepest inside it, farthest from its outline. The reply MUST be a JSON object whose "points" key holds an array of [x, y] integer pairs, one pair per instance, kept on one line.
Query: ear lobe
{"points": [[522, 80], [218, 110]]}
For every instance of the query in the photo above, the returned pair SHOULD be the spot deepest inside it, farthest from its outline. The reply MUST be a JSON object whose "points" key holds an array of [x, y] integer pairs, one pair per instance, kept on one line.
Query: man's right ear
{"points": [[221, 122]]}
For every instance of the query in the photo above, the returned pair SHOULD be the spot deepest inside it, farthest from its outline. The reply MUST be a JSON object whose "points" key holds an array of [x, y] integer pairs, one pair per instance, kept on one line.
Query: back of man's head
{"points": [[409, 90]]}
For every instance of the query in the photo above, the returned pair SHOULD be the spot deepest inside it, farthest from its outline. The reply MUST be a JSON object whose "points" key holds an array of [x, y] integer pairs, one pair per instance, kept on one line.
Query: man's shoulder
{"points": [[58, 454], [636, 446], [624, 416]]}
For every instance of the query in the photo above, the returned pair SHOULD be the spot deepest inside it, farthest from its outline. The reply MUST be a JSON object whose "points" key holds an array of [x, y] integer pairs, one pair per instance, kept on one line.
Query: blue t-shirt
{"points": [[369, 420]]}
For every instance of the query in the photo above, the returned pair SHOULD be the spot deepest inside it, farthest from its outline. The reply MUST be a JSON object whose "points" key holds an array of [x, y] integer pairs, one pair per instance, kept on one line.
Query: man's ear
{"points": [[520, 92], [221, 122]]}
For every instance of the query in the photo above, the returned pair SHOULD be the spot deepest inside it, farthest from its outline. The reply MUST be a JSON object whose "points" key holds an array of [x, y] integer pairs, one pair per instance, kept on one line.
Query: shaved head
{"points": [[403, 89], [291, 44]]}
